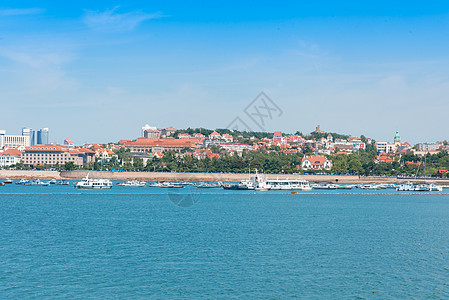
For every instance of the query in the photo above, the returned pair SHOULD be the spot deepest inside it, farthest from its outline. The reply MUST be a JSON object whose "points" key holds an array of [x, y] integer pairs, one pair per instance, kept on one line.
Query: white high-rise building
{"points": [[14, 141], [29, 132]]}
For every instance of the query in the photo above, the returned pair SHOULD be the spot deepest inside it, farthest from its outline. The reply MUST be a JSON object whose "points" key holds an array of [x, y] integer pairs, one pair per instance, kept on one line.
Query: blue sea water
{"points": [[249, 246]]}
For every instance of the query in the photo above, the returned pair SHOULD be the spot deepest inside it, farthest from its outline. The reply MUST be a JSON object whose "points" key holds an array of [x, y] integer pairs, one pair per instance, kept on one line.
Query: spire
{"points": [[397, 137]]}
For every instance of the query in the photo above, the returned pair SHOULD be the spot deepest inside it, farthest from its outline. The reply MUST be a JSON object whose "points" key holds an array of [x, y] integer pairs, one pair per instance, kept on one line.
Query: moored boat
{"points": [[61, 182], [289, 184], [23, 181], [132, 183], [89, 183]]}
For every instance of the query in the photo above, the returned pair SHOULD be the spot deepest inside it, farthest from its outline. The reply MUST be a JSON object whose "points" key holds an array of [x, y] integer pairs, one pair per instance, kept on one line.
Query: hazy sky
{"points": [[96, 71]]}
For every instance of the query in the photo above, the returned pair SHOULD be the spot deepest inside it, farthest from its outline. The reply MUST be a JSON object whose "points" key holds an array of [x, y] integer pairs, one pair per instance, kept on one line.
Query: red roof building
{"points": [[316, 162], [10, 157], [162, 145]]}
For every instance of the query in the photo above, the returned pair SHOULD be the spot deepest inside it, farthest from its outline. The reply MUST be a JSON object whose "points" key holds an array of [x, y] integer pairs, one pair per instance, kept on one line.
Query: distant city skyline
{"points": [[97, 71]]}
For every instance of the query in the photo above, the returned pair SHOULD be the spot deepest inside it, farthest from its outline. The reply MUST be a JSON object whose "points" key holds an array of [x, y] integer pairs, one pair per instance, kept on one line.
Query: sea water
{"points": [[221, 246]]}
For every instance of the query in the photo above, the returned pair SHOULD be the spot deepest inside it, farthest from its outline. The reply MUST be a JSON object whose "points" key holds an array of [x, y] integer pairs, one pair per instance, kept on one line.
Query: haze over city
{"points": [[96, 72]]}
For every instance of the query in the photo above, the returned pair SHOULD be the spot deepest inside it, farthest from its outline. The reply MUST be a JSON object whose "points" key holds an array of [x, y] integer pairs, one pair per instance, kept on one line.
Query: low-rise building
{"points": [[161, 145], [383, 157], [167, 131], [235, 147], [228, 138], [56, 155], [152, 133], [385, 147], [10, 157], [277, 137], [428, 146], [316, 162], [184, 136], [215, 136]]}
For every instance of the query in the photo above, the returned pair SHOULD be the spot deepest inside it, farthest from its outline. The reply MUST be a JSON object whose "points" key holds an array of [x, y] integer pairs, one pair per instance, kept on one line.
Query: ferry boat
{"points": [[289, 184], [410, 187], [255, 182], [132, 183], [88, 183]]}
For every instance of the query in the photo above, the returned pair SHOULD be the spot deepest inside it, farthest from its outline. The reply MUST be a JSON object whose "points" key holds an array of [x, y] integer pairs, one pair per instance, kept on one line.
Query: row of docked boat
{"points": [[255, 181], [39, 182], [259, 183]]}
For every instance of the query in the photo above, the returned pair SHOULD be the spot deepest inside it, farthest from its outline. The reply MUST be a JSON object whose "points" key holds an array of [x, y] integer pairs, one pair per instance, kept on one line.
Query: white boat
{"points": [[289, 184], [410, 187], [62, 182], [89, 183], [171, 185], [329, 186], [38, 182], [7, 181], [256, 182], [23, 181], [132, 183], [434, 187], [370, 187], [206, 185], [245, 185], [346, 187]]}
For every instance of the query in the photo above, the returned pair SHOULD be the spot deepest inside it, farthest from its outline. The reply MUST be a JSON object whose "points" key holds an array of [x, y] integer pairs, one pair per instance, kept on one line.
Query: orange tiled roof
{"points": [[144, 142], [53, 148], [318, 160], [385, 159], [11, 152]]}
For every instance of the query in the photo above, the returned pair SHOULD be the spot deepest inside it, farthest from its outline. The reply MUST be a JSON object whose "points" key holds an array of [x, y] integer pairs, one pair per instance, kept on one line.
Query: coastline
{"points": [[173, 176]]}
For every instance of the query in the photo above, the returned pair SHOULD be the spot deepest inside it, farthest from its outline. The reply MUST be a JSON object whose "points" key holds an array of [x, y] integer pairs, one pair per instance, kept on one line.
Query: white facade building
{"points": [[428, 146], [385, 147], [9, 157], [13, 141]]}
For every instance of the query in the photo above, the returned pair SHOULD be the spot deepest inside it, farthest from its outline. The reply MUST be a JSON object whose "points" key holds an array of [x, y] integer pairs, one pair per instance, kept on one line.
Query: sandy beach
{"points": [[173, 176]]}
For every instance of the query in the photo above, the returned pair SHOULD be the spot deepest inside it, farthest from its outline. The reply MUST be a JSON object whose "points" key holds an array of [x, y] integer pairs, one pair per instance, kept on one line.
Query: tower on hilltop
{"points": [[397, 139]]}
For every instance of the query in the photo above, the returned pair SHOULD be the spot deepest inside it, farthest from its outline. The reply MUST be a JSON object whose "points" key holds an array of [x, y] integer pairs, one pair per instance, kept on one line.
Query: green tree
{"points": [[70, 165]]}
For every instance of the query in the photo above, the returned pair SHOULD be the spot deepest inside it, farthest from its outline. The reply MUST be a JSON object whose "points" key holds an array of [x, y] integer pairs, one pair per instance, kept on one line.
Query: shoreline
{"points": [[213, 177]]}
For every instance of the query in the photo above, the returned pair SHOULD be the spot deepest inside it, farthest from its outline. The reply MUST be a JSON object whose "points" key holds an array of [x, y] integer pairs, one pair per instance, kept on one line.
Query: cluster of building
{"points": [[29, 137], [154, 142], [33, 148], [388, 151]]}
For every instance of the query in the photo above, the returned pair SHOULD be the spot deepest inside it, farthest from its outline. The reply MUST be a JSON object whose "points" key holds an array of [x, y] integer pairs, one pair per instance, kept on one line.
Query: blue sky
{"points": [[96, 71]]}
